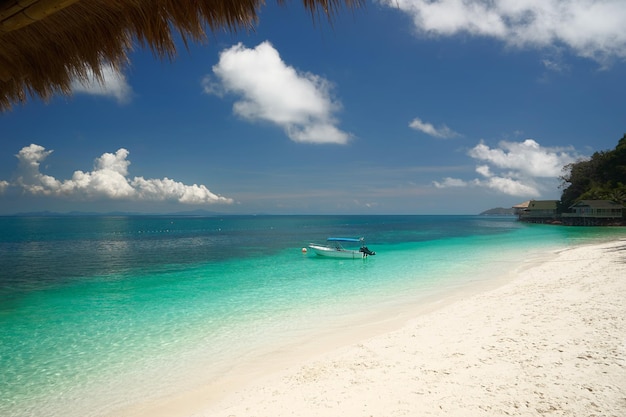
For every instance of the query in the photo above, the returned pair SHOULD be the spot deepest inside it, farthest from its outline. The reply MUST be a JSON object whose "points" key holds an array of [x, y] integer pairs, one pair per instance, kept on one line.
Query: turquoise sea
{"points": [[99, 313]]}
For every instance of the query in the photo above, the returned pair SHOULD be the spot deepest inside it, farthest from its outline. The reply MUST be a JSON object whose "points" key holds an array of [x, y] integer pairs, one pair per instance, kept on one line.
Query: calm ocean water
{"points": [[97, 313]]}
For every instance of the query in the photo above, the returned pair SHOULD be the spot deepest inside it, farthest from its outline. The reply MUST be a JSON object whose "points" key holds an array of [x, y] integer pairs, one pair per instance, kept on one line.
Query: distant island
{"points": [[498, 211]]}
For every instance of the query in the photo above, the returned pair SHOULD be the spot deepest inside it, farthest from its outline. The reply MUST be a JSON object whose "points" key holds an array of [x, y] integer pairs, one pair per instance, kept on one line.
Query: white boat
{"points": [[334, 248]]}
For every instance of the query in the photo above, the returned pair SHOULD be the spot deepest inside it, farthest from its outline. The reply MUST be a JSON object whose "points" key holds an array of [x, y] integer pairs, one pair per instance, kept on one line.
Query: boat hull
{"points": [[331, 252]]}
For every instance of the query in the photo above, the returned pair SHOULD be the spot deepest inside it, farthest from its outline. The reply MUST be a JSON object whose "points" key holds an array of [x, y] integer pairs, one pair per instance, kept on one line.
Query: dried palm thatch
{"points": [[45, 44]]}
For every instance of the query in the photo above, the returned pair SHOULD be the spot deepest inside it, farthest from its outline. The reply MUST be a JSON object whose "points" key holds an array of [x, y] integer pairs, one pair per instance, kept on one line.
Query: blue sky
{"points": [[399, 107]]}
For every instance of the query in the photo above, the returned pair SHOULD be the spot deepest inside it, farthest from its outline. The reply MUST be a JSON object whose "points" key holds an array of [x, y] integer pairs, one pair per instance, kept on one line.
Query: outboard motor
{"points": [[365, 250]]}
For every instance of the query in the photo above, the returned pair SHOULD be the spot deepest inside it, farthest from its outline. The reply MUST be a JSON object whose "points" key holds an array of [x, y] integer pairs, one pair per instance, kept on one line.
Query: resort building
{"points": [[520, 208], [593, 212], [582, 213], [538, 211]]}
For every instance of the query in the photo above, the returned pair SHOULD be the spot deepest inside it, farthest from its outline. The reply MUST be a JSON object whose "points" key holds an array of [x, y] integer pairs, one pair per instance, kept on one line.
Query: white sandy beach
{"points": [[550, 341]]}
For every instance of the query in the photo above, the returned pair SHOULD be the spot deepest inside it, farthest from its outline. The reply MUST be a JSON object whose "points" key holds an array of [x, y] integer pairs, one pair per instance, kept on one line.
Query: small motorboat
{"points": [[334, 248]]}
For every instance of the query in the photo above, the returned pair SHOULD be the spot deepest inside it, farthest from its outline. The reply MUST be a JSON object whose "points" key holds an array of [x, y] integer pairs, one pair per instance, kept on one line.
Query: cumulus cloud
{"points": [[527, 157], [30, 179], [511, 186], [515, 168], [113, 84], [590, 28], [108, 180], [270, 90], [450, 182], [443, 132]]}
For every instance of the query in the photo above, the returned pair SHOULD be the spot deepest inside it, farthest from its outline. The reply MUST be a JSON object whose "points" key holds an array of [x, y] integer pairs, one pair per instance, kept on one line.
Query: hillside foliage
{"points": [[602, 177]]}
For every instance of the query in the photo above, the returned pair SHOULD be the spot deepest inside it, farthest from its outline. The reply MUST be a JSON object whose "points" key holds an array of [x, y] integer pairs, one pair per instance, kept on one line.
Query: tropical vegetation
{"points": [[601, 177]]}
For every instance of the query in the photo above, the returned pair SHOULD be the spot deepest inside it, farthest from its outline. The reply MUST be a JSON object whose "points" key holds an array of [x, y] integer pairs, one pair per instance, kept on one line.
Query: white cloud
{"points": [[511, 186], [30, 179], [108, 180], [156, 189], [443, 131], [554, 64], [484, 170], [450, 182], [269, 90], [590, 28], [523, 169], [3, 186], [527, 157], [113, 84]]}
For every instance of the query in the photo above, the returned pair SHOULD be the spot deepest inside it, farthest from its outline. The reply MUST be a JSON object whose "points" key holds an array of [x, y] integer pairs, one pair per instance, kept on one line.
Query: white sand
{"points": [[550, 342]]}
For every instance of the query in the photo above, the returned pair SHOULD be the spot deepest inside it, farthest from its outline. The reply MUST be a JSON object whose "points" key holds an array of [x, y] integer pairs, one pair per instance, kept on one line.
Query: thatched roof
{"points": [[523, 205], [44, 44]]}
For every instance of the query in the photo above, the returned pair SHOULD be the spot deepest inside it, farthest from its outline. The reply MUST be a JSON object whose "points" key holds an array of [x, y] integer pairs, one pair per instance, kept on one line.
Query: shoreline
{"points": [[546, 338]]}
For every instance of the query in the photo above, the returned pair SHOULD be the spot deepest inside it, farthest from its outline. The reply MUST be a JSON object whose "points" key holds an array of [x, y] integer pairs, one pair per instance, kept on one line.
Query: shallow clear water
{"points": [[98, 312]]}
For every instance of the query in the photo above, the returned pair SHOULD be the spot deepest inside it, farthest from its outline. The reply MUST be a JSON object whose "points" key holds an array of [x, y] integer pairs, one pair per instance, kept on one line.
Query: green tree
{"points": [[602, 177]]}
